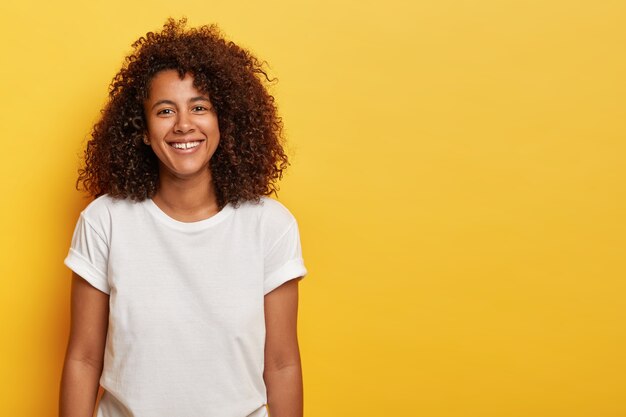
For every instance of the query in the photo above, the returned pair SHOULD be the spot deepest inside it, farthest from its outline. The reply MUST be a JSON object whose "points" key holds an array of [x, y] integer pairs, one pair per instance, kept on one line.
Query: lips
{"points": [[185, 145]]}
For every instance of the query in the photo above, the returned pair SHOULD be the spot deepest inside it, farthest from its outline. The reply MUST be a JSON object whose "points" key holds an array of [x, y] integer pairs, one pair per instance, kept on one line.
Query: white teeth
{"points": [[186, 145]]}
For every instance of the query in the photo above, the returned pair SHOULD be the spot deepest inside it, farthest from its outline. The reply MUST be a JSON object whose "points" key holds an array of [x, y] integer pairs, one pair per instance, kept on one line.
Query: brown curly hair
{"points": [[250, 158]]}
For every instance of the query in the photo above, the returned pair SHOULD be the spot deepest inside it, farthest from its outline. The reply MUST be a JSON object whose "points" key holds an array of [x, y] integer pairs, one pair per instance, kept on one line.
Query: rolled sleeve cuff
{"points": [[79, 264], [292, 269]]}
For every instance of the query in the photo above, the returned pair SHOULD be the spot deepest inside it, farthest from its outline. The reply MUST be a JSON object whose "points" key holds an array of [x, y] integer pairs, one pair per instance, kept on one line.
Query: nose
{"points": [[183, 123]]}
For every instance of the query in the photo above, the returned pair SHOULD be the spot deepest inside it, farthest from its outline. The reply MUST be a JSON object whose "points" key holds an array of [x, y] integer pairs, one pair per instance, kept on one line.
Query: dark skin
{"points": [[250, 159], [177, 113], [85, 350], [283, 370]]}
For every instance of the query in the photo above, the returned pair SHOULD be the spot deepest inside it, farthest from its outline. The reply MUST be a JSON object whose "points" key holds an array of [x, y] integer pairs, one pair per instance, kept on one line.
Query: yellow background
{"points": [[458, 176]]}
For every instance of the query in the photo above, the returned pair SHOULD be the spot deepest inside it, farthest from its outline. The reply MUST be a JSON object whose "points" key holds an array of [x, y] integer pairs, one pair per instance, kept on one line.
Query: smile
{"points": [[185, 145]]}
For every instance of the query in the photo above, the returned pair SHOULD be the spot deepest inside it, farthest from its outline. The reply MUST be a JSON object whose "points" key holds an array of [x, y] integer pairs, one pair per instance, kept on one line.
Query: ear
{"points": [[145, 139]]}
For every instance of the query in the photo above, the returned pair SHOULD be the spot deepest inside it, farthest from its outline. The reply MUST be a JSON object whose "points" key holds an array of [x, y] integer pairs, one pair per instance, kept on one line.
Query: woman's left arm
{"points": [[283, 371]]}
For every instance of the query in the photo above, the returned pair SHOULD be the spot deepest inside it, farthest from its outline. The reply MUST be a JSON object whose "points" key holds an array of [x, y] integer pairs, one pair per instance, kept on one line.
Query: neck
{"points": [[188, 199]]}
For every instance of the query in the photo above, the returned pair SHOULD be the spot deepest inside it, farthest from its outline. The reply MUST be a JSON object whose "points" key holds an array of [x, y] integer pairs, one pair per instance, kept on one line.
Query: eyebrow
{"points": [[191, 100]]}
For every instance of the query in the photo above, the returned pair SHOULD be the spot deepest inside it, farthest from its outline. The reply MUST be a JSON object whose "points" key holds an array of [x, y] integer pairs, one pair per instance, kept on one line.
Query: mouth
{"points": [[185, 145]]}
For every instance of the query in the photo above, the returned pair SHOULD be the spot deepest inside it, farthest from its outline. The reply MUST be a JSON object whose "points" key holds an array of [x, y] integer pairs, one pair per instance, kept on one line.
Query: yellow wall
{"points": [[458, 175]]}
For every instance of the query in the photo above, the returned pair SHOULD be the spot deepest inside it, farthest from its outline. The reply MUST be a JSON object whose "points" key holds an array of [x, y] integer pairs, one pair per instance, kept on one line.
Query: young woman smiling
{"points": [[185, 271]]}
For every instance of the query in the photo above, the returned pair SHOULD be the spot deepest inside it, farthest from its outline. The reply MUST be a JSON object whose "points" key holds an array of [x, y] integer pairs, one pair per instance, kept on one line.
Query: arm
{"points": [[85, 350], [283, 372]]}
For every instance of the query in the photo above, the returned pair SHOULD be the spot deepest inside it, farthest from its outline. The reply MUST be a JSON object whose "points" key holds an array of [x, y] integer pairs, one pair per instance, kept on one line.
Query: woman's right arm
{"points": [[85, 350]]}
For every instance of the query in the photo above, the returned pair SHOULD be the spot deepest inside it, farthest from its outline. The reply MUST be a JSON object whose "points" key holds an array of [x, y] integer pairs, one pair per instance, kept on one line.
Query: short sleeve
{"points": [[283, 261], [88, 255]]}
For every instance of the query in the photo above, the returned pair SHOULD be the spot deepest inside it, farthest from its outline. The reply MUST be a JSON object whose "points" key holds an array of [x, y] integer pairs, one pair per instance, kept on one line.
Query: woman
{"points": [[185, 272]]}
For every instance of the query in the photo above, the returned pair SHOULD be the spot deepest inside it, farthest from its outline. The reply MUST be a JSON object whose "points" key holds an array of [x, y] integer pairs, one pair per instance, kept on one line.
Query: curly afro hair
{"points": [[250, 158]]}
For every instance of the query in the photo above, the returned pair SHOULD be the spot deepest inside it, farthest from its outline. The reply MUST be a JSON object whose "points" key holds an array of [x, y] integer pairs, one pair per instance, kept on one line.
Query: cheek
{"points": [[211, 129], [211, 124], [157, 127]]}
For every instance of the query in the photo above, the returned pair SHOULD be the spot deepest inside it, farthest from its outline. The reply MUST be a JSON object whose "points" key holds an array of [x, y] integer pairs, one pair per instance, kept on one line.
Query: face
{"points": [[182, 126]]}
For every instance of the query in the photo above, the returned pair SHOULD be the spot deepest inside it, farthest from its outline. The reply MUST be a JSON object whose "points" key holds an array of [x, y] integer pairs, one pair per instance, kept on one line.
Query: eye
{"points": [[199, 109], [165, 112]]}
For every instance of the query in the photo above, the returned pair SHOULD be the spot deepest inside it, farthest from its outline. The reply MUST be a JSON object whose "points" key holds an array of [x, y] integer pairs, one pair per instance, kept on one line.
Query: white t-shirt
{"points": [[186, 329]]}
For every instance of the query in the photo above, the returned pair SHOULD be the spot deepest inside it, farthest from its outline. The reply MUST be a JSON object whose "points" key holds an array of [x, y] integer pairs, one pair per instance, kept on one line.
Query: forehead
{"points": [[169, 84]]}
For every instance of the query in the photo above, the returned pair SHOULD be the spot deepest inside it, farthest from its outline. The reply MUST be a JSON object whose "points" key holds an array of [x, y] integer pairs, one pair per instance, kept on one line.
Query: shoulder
{"points": [[275, 209], [269, 211], [105, 204], [99, 212], [271, 219]]}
